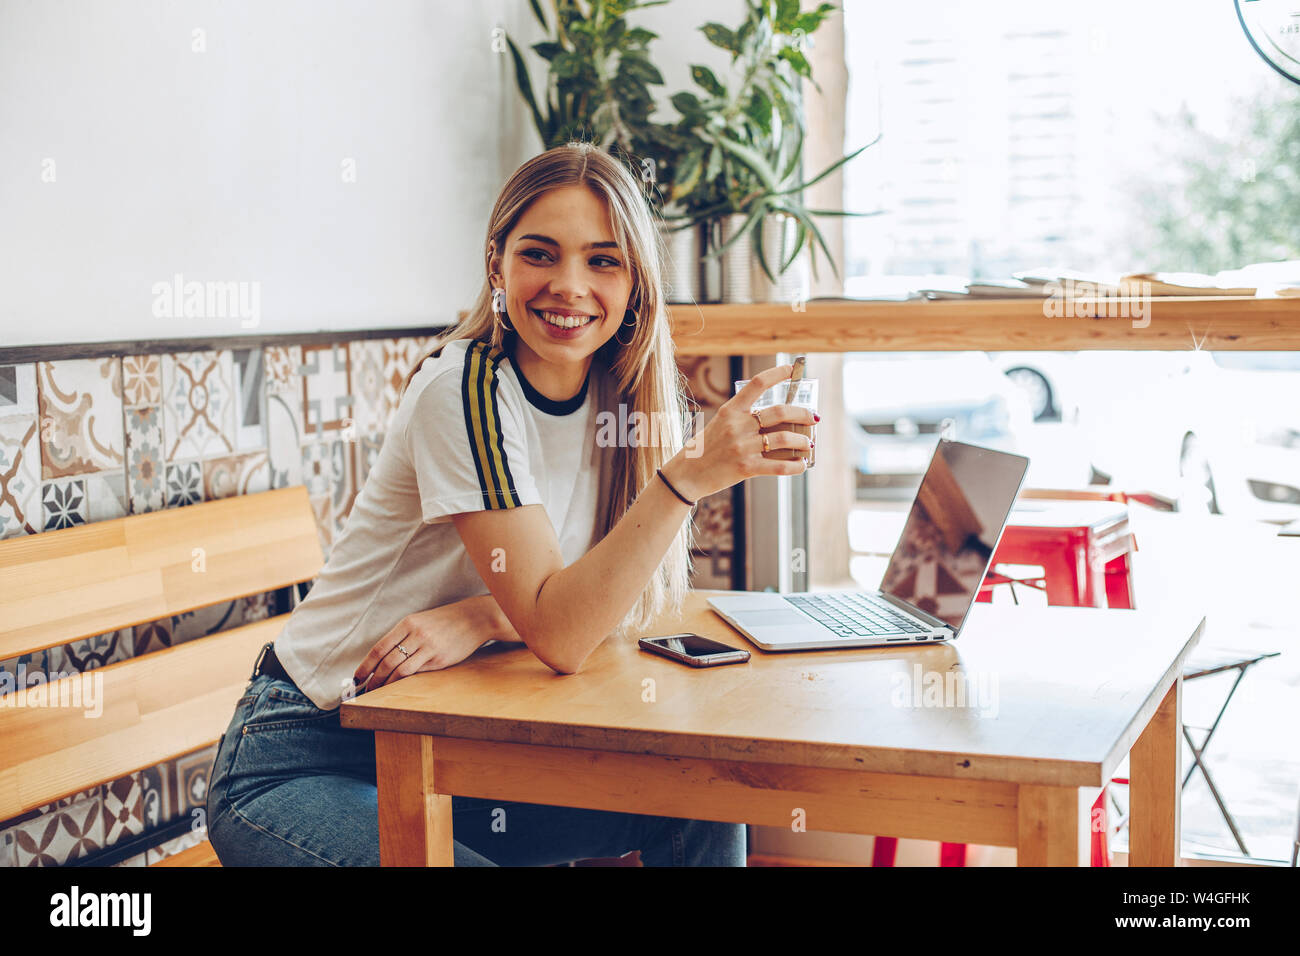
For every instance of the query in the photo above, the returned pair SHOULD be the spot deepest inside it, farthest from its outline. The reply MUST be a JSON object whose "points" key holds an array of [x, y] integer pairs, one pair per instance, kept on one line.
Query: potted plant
{"points": [[732, 158], [598, 79], [598, 83], [742, 171]]}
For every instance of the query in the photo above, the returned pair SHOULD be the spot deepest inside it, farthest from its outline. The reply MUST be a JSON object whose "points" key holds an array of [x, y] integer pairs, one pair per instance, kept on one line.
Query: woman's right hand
{"points": [[730, 448], [431, 640]]}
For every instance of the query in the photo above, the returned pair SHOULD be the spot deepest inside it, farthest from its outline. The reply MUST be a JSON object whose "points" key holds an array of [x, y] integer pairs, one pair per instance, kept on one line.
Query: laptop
{"points": [[933, 576]]}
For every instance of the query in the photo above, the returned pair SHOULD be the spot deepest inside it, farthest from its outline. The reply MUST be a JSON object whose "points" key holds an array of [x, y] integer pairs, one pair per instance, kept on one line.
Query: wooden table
{"points": [[823, 736]]}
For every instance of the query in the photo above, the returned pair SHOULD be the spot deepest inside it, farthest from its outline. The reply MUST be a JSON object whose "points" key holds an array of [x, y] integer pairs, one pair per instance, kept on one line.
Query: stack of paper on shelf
{"points": [[1178, 283]]}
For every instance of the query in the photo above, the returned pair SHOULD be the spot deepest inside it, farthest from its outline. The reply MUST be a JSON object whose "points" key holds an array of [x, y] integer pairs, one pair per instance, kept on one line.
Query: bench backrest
{"points": [[61, 586]]}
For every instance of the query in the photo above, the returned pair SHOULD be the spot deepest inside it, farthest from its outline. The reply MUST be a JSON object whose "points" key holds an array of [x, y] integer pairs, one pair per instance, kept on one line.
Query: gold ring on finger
{"points": [[765, 448], [757, 419], [405, 652]]}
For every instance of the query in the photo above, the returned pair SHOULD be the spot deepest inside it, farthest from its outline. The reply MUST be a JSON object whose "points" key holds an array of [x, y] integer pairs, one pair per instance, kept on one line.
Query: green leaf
{"points": [[822, 242], [842, 212], [754, 218], [759, 109], [798, 62], [567, 65], [640, 68], [705, 78], [746, 31], [583, 44], [614, 33], [806, 225], [793, 166], [548, 50], [829, 169], [762, 260], [537, 12], [688, 174], [812, 19], [800, 237], [752, 160], [758, 248], [639, 36], [715, 165], [526, 88], [720, 36], [786, 13], [630, 94], [688, 105], [784, 108]]}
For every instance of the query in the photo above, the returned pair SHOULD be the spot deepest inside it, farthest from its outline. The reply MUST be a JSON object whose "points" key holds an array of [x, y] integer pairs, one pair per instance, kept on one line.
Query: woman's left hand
{"points": [[433, 639]]}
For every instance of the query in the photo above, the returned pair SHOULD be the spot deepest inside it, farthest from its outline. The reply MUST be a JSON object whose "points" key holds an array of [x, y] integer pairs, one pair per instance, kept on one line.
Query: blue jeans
{"points": [[291, 787]]}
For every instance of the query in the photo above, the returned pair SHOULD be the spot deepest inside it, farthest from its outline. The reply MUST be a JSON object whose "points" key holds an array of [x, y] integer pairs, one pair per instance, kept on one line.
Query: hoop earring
{"points": [[631, 324], [499, 307]]}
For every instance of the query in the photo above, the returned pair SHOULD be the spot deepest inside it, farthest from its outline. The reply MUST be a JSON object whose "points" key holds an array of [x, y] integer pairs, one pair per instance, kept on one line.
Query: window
{"points": [[1102, 136]]}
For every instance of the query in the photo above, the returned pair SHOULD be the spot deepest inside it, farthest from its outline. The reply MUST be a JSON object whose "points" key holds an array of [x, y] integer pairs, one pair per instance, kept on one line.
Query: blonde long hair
{"points": [[644, 371]]}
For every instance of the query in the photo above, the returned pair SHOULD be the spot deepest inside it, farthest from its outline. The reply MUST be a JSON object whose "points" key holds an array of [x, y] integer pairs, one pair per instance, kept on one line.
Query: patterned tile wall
{"points": [[709, 382], [86, 440]]}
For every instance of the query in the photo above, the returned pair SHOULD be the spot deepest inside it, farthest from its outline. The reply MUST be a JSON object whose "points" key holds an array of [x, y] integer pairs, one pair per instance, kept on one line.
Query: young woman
{"points": [[500, 495]]}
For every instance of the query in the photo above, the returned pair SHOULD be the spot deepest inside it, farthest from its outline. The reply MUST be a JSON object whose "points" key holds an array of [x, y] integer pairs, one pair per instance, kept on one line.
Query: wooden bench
{"points": [[61, 586]]}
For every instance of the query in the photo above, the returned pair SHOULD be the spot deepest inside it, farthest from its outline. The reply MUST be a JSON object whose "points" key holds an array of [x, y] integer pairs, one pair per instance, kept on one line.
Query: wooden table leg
{"points": [[1155, 775], [414, 820], [1052, 827]]}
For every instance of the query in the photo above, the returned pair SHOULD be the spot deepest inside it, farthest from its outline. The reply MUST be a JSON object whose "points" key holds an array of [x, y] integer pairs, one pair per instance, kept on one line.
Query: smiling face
{"points": [[567, 283]]}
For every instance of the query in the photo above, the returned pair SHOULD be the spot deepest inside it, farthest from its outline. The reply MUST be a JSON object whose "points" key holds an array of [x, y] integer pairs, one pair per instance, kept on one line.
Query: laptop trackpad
{"points": [[774, 618]]}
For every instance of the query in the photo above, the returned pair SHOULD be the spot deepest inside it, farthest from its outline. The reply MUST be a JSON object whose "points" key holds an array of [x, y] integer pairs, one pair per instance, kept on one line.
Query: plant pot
{"points": [[682, 264], [737, 261], [710, 266], [777, 235]]}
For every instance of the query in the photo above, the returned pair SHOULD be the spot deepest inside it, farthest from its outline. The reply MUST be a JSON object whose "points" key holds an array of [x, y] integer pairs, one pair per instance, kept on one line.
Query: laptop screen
{"points": [[953, 528]]}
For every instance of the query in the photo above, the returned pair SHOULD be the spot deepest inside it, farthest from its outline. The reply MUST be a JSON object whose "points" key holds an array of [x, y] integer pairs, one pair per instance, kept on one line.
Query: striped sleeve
{"points": [[466, 441], [483, 426]]}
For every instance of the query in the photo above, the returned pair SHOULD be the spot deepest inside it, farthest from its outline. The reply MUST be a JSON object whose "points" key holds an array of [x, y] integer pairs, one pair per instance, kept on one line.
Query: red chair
{"points": [[1083, 544], [1083, 548]]}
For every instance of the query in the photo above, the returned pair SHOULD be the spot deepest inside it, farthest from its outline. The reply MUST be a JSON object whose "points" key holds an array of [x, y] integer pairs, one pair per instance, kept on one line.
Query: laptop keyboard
{"points": [[855, 615]]}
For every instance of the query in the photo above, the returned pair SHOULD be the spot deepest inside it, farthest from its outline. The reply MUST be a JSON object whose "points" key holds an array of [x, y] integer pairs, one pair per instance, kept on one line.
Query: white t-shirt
{"points": [[469, 434]]}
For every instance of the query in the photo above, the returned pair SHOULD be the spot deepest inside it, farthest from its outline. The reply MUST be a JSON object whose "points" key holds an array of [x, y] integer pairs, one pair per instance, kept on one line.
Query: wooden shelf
{"points": [[1171, 324]]}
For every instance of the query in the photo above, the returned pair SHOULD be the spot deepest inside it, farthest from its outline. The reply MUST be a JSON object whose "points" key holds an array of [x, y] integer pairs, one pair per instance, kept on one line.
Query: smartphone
{"points": [[694, 650]]}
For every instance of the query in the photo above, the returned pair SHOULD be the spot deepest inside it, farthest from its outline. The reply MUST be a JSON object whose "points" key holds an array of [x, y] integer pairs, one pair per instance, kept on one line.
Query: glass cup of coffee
{"points": [[805, 396]]}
